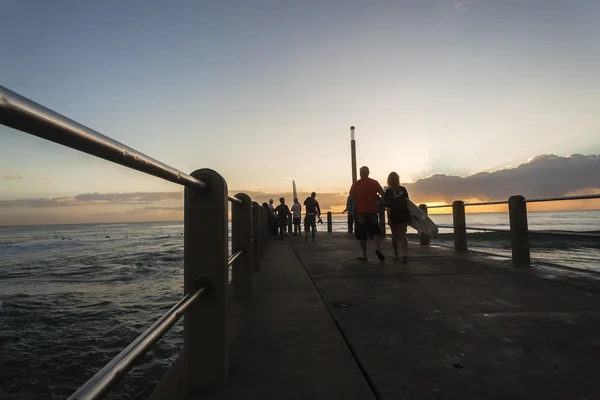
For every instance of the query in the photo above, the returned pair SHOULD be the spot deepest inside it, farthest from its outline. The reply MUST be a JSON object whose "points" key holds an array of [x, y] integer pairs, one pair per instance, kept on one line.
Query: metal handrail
{"points": [[477, 228], [538, 232], [483, 203], [234, 199], [536, 200], [565, 233], [578, 197], [30, 117], [105, 379], [234, 257]]}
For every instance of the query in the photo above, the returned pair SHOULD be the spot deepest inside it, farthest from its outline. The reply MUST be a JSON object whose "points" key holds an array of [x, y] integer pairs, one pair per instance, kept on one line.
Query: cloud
{"points": [[175, 212], [164, 208], [12, 177], [546, 175], [87, 199], [460, 4]]}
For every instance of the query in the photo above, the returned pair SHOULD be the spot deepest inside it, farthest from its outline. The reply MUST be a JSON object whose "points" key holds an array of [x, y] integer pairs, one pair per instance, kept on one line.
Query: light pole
{"points": [[353, 153]]}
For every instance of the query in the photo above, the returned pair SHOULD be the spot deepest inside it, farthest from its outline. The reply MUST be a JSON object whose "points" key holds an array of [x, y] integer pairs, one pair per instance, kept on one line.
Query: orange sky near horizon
{"points": [[173, 211]]}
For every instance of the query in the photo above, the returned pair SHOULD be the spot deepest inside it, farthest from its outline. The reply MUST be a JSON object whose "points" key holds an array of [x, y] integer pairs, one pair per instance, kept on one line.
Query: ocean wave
{"points": [[68, 307]]}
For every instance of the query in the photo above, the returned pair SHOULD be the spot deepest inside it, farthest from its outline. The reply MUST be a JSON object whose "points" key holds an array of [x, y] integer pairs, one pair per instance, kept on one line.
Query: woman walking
{"points": [[395, 199]]}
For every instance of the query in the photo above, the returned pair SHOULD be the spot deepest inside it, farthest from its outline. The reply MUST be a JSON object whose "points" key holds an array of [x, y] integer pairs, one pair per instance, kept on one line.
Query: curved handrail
{"points": [[105, 379], [30, 117], [535, 200]]}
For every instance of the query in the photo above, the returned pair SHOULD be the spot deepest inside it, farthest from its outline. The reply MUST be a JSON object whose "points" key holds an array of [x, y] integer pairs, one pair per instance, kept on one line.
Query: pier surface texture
{"points": [[324, 325]]}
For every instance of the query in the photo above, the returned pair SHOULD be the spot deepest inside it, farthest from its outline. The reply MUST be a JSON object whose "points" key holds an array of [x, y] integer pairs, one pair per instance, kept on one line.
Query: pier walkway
{"points": [[324, 325], [310, 321]]}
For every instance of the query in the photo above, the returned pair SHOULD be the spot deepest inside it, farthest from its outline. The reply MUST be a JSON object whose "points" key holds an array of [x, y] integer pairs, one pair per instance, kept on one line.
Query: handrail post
{"points": [[256, 236], [205, 351], [290, 225], [460, 226], [329, 222], [382, 222], [241, 275], [517, 211], [424, 239]]}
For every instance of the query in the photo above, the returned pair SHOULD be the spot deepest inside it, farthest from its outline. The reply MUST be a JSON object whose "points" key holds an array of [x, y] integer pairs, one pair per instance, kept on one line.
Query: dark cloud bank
{"points": [[543, 176]]}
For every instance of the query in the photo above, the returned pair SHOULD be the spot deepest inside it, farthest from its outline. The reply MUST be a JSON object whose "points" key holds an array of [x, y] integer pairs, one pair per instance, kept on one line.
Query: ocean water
{"points": [[73, 296], [569, 251]]}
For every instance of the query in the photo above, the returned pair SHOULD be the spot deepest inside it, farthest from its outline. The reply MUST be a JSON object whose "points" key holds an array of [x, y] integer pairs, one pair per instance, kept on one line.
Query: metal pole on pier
{"points": [[353, 153], [353, 157]]}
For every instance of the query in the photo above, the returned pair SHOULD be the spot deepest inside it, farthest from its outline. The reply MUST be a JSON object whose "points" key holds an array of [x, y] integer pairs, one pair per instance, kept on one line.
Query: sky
{"points": [[266, 91]]}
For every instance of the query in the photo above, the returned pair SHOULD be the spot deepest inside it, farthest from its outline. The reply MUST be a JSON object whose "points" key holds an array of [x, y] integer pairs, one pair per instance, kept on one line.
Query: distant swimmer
{"points": [[312, 212]]}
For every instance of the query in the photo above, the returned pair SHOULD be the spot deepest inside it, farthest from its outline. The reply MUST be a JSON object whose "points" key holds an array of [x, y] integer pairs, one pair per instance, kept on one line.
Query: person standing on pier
{"points": [[271, 207], [297, 216], [364, 193], [350, 210], [283, 212], [313, 211], [395, 200]]}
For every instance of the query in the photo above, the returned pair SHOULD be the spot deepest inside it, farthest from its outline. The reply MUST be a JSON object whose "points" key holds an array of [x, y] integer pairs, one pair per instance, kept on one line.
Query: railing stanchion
{"points": [[241, 276], [460, 226], [205, 259], [329, 222], [424, 239], [382, 222], [256, 235], [517, 211], [290, 225]]}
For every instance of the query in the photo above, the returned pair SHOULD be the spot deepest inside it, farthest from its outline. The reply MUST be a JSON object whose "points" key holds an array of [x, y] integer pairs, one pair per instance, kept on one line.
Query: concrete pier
{"points": [[448, 325]]}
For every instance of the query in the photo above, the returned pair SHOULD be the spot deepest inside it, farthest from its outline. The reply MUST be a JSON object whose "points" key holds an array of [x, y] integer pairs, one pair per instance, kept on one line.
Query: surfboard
{"points": [[295, 193], [421, 221]]}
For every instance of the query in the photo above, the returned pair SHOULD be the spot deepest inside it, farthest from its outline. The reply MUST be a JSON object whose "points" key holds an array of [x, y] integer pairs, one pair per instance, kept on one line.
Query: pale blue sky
{"points": [[263, 91]]}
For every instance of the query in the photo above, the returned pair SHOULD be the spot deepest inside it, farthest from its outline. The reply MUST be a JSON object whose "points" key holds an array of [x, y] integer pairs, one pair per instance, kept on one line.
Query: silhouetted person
{"points": [[297, 216], [283, 213], [395, 199], [271, 220], [350, 210], [312, 212], [364, 193]]}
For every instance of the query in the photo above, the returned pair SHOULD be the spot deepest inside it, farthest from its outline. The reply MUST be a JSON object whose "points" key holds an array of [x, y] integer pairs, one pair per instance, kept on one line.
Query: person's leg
{"points": [[403, 242], [361, 235], [375, 233], [395, 234], [308, 223]]}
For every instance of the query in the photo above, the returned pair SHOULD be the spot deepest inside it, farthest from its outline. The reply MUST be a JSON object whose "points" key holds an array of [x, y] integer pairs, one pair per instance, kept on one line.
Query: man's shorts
{"points": [[297, 221], [309, 220], [367, 225], [282, 221]]}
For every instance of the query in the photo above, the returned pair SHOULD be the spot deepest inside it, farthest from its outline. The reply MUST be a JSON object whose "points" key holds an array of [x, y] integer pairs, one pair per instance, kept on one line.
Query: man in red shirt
{"points": [[364, 192]]}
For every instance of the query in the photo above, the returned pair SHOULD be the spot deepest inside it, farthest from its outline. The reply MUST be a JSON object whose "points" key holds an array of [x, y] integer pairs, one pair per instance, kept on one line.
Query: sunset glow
{"points": [[476, 102]]}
